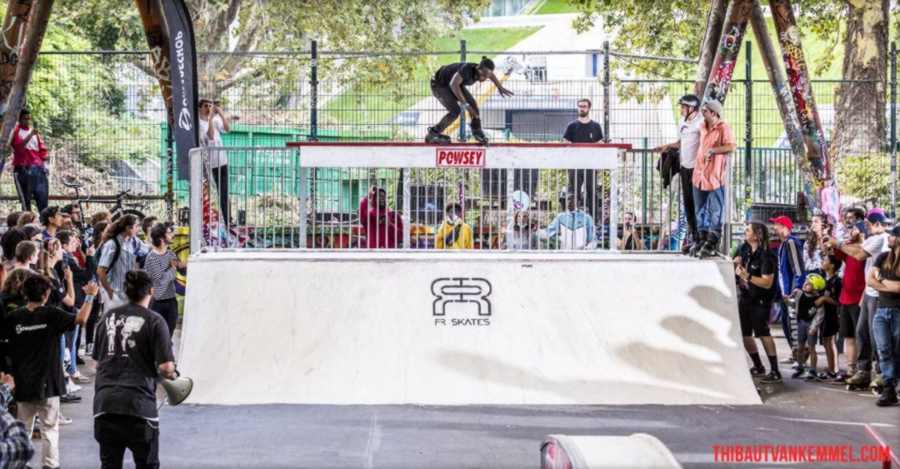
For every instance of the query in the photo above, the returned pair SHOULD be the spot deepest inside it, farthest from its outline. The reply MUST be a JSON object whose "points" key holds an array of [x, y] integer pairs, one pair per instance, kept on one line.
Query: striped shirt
{"points": [[159, 267], [125, 263]]}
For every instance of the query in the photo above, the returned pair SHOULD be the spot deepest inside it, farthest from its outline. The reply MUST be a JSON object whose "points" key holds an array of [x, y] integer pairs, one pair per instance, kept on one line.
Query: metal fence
{"points": [[285, 198], [102, 117]]}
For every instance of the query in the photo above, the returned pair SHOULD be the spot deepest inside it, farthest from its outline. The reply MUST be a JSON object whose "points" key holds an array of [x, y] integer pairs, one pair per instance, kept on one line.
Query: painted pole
{"points": [[722, 70], [715, 21]]}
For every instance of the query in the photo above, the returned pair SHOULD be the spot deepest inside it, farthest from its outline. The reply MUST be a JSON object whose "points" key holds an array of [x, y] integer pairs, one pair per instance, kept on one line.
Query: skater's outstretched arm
{"points": [[500, 88]]}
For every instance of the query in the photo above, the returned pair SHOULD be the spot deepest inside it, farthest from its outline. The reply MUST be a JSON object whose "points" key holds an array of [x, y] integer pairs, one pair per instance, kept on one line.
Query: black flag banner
{"points": [[183, 76]]}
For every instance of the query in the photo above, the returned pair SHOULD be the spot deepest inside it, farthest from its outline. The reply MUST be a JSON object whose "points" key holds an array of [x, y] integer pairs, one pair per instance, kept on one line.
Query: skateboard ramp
{"points": [[462, 328]]}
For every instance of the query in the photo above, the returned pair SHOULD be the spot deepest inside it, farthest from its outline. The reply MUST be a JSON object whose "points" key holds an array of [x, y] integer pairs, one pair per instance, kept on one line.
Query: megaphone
{"points": [[178, 389]]}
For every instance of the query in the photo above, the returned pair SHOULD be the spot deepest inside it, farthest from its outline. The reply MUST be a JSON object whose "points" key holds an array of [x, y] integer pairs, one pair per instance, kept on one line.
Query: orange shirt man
{"points": [[716, 144]]}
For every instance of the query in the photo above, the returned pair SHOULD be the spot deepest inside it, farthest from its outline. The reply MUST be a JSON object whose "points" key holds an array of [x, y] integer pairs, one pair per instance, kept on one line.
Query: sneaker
{"points": [[888, 397], [810, 375], [757, 372], [69, 398], [773, 377], [798, 373], [71, 387]]}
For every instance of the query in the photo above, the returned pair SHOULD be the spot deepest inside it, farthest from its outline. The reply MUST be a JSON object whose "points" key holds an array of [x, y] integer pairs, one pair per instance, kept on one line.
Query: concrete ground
{"points": [[280, 436]]}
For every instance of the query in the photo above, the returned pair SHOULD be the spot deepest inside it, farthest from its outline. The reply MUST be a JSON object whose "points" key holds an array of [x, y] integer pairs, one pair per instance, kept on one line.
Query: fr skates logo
{"points": [[460, 157], [465, 298]]}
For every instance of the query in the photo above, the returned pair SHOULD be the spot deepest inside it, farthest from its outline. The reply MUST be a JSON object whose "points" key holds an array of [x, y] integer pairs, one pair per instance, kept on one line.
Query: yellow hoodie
{"points": [[445, 232]]}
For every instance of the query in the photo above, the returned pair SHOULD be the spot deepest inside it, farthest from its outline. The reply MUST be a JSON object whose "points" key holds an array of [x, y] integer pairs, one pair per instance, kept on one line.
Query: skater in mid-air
{"points": [[449, 87]]}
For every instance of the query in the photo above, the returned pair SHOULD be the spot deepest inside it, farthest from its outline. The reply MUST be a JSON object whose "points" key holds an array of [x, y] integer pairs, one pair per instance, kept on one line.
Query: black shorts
{"points": [[848, 316], [754, 319], [831, 324]]}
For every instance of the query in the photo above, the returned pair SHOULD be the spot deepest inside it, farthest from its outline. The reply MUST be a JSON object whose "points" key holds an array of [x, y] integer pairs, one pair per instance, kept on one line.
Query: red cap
{"points": [[783, 220]]}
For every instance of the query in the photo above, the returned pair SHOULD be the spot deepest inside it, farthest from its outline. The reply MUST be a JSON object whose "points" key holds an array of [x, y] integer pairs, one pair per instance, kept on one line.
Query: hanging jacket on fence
{"points": [[668, 165]]}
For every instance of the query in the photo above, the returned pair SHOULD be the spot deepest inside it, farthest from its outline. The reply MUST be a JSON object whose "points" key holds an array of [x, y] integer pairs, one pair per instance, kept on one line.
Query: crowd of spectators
{"points": [[63, 279], [837, 290]]}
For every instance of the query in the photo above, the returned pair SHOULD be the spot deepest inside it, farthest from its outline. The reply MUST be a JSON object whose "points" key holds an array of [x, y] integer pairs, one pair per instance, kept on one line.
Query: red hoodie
{"points": [[383, 226], [32, 153]]}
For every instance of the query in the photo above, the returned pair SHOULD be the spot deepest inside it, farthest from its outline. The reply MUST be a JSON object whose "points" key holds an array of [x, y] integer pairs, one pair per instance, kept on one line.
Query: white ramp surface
{"points": [[462, 328]]}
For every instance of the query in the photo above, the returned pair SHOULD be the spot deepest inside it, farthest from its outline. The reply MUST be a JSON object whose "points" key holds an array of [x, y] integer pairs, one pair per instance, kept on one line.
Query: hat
{"points": [[714, 106], [895, 231], [783, 220], [876, 215], [816, 280]]}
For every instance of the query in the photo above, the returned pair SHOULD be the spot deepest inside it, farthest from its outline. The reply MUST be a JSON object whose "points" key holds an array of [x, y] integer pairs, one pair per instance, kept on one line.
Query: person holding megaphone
{"points": [[133, 350]]}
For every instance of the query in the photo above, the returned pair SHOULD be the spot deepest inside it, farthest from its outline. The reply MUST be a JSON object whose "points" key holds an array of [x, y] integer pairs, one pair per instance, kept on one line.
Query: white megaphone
{"points": [[178, 389]]}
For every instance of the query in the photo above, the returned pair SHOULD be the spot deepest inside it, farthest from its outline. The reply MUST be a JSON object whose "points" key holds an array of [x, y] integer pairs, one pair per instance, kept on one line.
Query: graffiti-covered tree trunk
{"points": [[859, 125], [715, 20], [13, 34]]}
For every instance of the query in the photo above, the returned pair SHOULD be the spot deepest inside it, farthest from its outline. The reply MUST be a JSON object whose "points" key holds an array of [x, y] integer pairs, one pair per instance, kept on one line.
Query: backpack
{"points": [[116, 253]]}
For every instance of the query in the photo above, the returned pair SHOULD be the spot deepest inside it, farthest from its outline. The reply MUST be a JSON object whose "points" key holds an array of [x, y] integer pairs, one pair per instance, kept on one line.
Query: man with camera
{"points": [[212, 124], [132, 351]]}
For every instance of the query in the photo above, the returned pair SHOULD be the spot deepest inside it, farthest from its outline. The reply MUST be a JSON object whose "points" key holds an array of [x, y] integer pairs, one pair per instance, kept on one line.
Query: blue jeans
{"points": [[886, 328], [710, 206], [31, 183], [71, 344]]}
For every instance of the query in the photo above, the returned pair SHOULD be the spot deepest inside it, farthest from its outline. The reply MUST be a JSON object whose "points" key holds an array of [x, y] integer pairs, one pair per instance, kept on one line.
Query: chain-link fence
{"points": [[104, 121]]}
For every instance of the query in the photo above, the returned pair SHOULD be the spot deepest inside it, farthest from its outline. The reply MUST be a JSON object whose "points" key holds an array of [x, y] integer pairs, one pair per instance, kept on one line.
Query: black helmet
{"points": [[690, 100], [486, 63]]}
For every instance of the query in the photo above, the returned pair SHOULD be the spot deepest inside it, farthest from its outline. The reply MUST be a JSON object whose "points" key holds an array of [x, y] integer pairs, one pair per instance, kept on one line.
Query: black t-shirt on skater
{"points": [[468, 71]]}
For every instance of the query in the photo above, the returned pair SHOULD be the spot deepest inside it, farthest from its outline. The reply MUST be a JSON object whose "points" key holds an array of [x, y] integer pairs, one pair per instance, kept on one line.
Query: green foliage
{"points": [[552, 7], [866, 178], [367, 102]]}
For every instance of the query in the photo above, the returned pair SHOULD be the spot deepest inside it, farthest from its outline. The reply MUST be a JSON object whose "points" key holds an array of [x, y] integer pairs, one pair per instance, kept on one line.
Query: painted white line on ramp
{"points": [[838, 422], [374, 441]]}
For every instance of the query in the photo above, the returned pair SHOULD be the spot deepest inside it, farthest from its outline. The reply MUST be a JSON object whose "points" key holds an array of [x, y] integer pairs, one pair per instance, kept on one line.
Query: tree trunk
{"points": [[34, 35], [13, 28], [714, 23], [859, 125]]}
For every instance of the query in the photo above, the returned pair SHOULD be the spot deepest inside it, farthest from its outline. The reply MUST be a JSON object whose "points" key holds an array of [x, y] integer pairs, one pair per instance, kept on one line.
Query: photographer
{"points": [[631, 238], [212, 124]]}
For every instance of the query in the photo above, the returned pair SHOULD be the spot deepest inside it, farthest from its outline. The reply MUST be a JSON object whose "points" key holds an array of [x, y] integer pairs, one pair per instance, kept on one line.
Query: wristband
{"points": [[88, 298]]}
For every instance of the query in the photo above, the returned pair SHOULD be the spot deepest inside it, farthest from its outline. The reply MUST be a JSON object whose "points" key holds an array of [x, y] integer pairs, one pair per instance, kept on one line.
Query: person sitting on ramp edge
{"points": [[448, 86]]}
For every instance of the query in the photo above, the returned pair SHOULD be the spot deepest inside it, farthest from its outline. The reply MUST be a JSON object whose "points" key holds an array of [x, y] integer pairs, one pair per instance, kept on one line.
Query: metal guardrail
{"points": [[278, 201]]}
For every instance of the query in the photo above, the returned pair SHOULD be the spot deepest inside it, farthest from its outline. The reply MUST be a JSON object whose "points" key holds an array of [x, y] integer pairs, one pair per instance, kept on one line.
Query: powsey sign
{"points": [[460, 157], [183, 75]]}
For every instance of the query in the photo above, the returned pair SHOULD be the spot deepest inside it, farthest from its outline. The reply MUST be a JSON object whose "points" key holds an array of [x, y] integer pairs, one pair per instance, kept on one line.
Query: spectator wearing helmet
{"points": [[810, 314], [448, 86], [716, 144], [687, 145]]}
